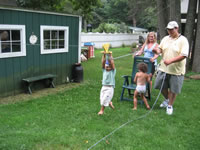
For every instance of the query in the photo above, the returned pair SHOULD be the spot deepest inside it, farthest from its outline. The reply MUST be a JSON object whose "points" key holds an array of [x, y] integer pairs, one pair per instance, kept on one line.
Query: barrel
{"points": [[77, 72]]}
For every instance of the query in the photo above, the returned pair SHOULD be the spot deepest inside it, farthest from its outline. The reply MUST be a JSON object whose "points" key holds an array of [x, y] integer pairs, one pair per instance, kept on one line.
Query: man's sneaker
{"points": [[164, 103], [169, 110]]}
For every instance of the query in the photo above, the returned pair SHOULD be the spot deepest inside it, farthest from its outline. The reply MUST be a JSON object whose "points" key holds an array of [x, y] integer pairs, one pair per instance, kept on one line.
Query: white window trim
{"points": [[66, 37], [22, 39]]}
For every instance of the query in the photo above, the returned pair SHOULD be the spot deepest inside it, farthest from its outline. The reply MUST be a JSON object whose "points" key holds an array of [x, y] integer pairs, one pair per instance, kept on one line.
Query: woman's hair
{"points": [[154, 36], [142, 67]]}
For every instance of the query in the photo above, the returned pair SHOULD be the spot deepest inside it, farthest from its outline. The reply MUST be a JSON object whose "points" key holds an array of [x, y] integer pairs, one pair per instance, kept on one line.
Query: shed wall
{"points": [[14, 69]]}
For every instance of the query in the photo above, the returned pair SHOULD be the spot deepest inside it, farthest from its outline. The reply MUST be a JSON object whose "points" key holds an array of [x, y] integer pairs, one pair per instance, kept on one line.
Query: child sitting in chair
{"points": [[140, 79], [108, 82]]}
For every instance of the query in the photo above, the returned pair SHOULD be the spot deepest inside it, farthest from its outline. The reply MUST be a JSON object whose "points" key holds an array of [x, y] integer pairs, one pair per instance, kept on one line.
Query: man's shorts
{"points": [[172, 82], [106, 95]]}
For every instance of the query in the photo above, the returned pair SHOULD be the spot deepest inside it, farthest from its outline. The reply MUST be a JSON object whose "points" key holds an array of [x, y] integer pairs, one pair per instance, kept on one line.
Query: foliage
{"points": [[117, 11], [50, 5], [134, 45], [81, 7], [111, 11], [96, 12], [107, 28], [123, 45], [122, 28], [85, 7], [148, 18], [112, 28]]}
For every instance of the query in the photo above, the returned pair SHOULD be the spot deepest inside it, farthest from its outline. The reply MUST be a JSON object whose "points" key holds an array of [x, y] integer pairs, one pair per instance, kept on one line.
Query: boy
{"points": [[140, 79], [108, 82]]}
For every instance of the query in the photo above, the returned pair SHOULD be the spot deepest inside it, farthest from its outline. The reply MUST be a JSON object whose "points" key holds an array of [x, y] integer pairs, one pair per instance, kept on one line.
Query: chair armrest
{"points": [[126, 79], [126, 76]]}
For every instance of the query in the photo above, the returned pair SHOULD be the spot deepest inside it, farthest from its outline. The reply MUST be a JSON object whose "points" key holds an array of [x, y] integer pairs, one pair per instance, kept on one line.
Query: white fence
{"points": [[115, 39]]}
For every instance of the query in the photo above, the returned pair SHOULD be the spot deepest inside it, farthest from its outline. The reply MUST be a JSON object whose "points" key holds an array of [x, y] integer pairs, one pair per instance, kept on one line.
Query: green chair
{"points": [[129, 80]]}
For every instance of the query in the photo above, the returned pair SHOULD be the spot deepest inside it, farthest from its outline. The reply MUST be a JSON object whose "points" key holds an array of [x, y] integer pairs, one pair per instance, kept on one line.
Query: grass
{"points": [[68, 120]]}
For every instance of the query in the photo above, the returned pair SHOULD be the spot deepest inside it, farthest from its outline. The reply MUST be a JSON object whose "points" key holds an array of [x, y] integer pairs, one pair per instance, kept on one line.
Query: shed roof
{"points": [[137, 29], [36, 11]]}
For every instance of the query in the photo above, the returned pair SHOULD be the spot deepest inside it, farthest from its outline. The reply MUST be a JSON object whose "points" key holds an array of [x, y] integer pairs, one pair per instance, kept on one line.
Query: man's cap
{"points": [[172, 25]]}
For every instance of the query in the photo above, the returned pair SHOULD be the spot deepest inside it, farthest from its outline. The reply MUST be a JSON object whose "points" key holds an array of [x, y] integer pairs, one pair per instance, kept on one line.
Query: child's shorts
{"points": [[106, 95], [141, 88]]}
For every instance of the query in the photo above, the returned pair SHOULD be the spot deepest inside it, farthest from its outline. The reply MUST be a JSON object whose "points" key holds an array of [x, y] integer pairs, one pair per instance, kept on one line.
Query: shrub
{"points": [[134, 45], [112, 28]]}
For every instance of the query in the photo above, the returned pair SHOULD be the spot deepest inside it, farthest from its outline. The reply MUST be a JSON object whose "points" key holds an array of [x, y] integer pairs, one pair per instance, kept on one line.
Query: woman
{"points": [[147, 47]]}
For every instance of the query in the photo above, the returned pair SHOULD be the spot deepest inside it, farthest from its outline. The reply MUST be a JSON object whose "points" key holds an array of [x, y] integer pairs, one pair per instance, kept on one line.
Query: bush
{"points": [[123, 45], [112, 28], [134, 45]]}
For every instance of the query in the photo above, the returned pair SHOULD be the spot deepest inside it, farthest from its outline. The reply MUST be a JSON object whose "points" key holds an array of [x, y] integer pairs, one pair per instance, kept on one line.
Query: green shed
{"points": [[34, 43]]}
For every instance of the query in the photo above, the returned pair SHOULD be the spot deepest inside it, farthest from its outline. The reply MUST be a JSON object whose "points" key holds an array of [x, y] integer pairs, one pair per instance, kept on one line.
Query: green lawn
{"points": [[68, 120]]}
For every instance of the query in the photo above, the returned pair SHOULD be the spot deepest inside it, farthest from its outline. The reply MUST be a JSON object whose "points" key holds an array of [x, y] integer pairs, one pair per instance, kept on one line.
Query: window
{"points": [[54, 39], [12, 41]]}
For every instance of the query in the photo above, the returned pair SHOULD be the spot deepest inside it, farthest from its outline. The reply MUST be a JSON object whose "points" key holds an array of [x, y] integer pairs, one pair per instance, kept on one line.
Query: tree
{"points": [[148, 19], [85, 8], [162, 17], [142, 13], [189, 29], [196, 60], [175, 12], [134, 9], [131, 12], [168, 10], [115, 11], [80, 7], [48, 5]]}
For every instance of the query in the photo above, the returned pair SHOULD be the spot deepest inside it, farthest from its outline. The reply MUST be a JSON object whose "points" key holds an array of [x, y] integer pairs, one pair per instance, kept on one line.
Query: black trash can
{"points": [[77, 72]]}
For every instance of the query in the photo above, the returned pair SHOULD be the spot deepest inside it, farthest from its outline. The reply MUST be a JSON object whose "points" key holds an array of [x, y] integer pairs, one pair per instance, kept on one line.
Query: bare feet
{"points": [[100, 113], [134, 108], [148, 107], [111, 105]]}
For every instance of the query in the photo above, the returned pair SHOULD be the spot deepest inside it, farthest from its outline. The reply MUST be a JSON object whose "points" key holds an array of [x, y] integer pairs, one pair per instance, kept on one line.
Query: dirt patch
{"points": [[186, 78], [196, 77], [37, 93]]}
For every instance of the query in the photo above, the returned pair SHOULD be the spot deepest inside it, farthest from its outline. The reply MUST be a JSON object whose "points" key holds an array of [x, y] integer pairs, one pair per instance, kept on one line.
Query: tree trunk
{"points": [[178, 14], [196, 60], [172, 10], [85, 24], [162, 17], [175, 12], [189, 28], [134, 21]]}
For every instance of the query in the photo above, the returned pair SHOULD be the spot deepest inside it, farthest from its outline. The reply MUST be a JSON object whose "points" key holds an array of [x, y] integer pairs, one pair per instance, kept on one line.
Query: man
{"points": [[174, 49]]}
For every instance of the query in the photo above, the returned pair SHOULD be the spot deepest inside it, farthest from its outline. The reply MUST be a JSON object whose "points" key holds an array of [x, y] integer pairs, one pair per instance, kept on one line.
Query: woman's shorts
{"points": [[172, 82], [153, 68]]}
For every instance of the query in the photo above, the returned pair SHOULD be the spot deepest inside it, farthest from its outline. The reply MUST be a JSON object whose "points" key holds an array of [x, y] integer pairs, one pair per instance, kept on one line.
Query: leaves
{"points": [[140, 13], [85, 6], [48, 5]]}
